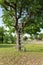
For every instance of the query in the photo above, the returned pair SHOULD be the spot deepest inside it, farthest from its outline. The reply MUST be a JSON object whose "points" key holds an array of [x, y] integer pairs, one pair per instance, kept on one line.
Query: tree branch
{"points": [[20, 9], [20, 13], [10, 4], [28, 21]]}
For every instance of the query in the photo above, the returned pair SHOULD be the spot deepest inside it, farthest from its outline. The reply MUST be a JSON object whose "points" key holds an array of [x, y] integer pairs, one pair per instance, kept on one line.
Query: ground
{"points": [[33, 41], [32, 55]]}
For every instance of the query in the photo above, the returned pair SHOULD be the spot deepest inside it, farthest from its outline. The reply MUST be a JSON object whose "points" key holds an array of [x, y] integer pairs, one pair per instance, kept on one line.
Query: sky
{"points": [[2, 22], [0, 17]]}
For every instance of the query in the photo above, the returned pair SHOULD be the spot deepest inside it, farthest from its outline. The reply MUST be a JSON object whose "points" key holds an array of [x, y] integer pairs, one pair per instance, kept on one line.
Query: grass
{"points": [[33, 47], [10, 56], [26, 47], [6, 45]]}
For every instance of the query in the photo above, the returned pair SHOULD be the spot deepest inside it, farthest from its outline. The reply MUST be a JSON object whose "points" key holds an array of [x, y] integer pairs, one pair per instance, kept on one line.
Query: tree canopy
{"points": [[29, 12]]}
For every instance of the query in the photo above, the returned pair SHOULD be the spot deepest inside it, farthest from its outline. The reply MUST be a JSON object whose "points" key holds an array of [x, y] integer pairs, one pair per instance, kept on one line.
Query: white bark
{"points": [[18, 41]]}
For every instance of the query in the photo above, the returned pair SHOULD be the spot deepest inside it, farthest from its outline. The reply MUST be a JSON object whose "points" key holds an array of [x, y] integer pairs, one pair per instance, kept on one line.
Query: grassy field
{"points": [[33, 47], [32, 55]]}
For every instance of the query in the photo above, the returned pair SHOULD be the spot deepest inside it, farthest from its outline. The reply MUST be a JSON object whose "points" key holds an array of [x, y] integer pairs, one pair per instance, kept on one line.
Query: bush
{"points": [[25, 38]]}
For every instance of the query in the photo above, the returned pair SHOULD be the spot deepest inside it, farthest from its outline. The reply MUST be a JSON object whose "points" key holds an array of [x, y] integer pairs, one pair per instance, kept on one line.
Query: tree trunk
{"points": [[18, 41], [17, 31]]}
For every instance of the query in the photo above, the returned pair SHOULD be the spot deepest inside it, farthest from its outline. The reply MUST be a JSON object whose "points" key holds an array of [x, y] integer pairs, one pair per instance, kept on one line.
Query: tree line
{"points": [[6, 37]]}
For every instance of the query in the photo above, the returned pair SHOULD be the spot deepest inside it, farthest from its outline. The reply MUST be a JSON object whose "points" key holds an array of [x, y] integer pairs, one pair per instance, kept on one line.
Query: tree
{"points": [[8, 38], [29, 13], [41, 36], [1, 34]]}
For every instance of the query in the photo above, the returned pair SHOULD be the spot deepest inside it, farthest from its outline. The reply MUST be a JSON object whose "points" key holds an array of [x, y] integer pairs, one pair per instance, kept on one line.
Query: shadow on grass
{"points": [[6, 45]]}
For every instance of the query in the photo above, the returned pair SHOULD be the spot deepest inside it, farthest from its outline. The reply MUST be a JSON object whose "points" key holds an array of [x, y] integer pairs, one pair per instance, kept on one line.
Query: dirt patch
{"points": [[27, 58]]}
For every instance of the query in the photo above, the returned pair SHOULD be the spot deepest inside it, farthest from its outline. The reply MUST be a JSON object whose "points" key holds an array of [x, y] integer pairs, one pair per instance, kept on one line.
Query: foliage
{"points": [[41, 36], [1, 34], [9, 39], [38, 36], [6, 36], [32, 14], [25, 38]]}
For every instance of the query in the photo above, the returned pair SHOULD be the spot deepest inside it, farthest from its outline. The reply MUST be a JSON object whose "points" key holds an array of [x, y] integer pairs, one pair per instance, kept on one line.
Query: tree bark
{"points": [[18, 41]]}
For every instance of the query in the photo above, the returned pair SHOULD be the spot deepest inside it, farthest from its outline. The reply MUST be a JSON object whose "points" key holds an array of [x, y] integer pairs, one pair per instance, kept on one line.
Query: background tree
{"points": [[1, 34], [41, 36], [29, 13], [9, 38], [6, 37]]}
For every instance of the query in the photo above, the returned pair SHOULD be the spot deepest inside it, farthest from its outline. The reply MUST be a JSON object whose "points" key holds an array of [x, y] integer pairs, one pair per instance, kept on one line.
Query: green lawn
{"points": [[33, 47], [10, 56], [26, 47]]}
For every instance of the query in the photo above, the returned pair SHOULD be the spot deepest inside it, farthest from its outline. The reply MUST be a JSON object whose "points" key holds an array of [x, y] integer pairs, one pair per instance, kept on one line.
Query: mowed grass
{"points": [[32, 55], [7, 45], [33, 47], [26, 47]]}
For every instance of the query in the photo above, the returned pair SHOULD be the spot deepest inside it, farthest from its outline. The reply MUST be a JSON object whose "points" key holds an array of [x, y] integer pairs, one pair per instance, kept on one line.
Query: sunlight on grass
{"points": [[33, 47]]}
